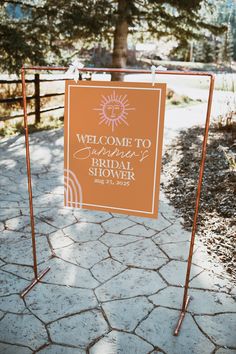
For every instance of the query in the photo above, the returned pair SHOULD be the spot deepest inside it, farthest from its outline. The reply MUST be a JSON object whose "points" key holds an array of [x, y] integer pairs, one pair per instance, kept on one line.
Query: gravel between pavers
{"points": [[217, 214]]}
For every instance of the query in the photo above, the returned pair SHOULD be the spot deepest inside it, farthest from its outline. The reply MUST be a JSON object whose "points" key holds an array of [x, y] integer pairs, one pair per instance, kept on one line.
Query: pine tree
{"points": [[226, 15], [228, 46], [43, 28]]}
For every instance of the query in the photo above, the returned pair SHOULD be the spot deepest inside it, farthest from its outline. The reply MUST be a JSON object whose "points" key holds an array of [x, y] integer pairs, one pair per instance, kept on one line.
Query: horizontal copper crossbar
{"points": [[124, 71]]}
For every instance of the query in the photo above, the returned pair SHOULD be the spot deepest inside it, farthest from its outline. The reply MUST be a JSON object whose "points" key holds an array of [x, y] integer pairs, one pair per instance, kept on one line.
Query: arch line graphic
{"points": [[73, 190]]}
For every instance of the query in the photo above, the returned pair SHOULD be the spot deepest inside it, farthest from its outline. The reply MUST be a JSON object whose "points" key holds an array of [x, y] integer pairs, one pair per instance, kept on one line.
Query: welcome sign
{"points": [[113, 146]]}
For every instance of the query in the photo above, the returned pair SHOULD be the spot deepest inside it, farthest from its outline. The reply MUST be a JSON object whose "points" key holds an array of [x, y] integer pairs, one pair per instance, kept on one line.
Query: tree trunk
{"points": [[119, 56]]}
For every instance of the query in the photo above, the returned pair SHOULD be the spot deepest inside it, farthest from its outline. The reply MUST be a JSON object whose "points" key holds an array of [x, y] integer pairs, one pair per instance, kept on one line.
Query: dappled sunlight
{"points": [[106, 347], [8, 164], [42, 156], [70, 275], [60, 141]]}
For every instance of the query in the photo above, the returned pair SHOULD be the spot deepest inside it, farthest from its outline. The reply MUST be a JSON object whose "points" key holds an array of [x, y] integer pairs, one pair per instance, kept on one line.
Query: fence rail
{"points": [[36, 97]]}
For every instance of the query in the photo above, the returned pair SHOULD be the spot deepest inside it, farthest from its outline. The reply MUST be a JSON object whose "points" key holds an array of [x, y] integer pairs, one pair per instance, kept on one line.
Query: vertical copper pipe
{"points": [[29, 172], [194, 228], [37, 97]]}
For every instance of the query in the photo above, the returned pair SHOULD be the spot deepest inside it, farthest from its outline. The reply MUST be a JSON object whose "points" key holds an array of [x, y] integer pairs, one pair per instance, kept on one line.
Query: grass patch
{"points": [[10, 128], [174, 99]]}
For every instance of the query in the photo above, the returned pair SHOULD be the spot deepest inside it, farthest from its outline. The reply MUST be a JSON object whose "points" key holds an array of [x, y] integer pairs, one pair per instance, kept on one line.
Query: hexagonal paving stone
{"points": [[25, 272], [58, 217], [225, 351], [59, 240], [23, 330], [78, 330], [130, 283], [13, 349], [202, 301], [91, 215], [179, 251], [12, 303], [158, 224], [5, 182], [37, 210], [40, 227], [175, 272], [17, 223], [85, 255], [10, 284], [116, 225], [220, 328], [58, 349], [66, 301], [8, 236], [11, 187], [209, 280], [233, 290], [158, 329], [21, 253], [83, 231], [106, 269], [64, 273], [49, 183], [11, 196], [118, 240], [209, 302], [122, 343], [168, 297], [167, 210], [9, 204], [174, 233], [139, 230], [204, 260], [8, 213], [126, 314], [47, 200], [142, 253]]}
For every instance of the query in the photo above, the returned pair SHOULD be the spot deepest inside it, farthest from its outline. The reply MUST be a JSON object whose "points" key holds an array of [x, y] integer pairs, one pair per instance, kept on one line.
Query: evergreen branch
{"points": [[21, 3]]}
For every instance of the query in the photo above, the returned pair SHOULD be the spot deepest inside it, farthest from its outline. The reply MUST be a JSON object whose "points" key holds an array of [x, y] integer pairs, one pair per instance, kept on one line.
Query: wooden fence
{"points": [[36, 97]]}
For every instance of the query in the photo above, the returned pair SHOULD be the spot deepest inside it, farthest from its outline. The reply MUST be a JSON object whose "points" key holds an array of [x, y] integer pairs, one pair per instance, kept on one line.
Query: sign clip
{"points": [[153, 71], [74, 68]]}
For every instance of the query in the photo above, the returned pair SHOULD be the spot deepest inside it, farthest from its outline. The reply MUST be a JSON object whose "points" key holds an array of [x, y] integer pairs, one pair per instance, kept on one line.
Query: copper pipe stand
{"points": [[186, 298]]}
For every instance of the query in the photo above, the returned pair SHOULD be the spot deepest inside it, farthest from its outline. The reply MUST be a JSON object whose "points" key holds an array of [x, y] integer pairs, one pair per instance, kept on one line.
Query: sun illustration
{"points": [[114, 110]]}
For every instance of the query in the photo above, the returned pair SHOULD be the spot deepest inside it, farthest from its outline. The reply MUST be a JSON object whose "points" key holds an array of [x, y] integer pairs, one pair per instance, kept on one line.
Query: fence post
{"points": [[37, 97]]}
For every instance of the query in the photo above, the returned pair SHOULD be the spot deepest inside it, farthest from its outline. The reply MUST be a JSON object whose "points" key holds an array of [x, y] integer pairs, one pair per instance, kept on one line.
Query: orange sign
{"points": [[113, 146]]}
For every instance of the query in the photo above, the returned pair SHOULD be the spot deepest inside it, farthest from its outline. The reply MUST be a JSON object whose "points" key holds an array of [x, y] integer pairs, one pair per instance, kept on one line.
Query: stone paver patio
{"points": [[116, 283]]}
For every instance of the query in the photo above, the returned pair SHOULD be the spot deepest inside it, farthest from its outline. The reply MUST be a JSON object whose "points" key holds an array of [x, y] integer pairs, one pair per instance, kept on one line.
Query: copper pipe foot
{"points": [[34, 282], [181, 317]]}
